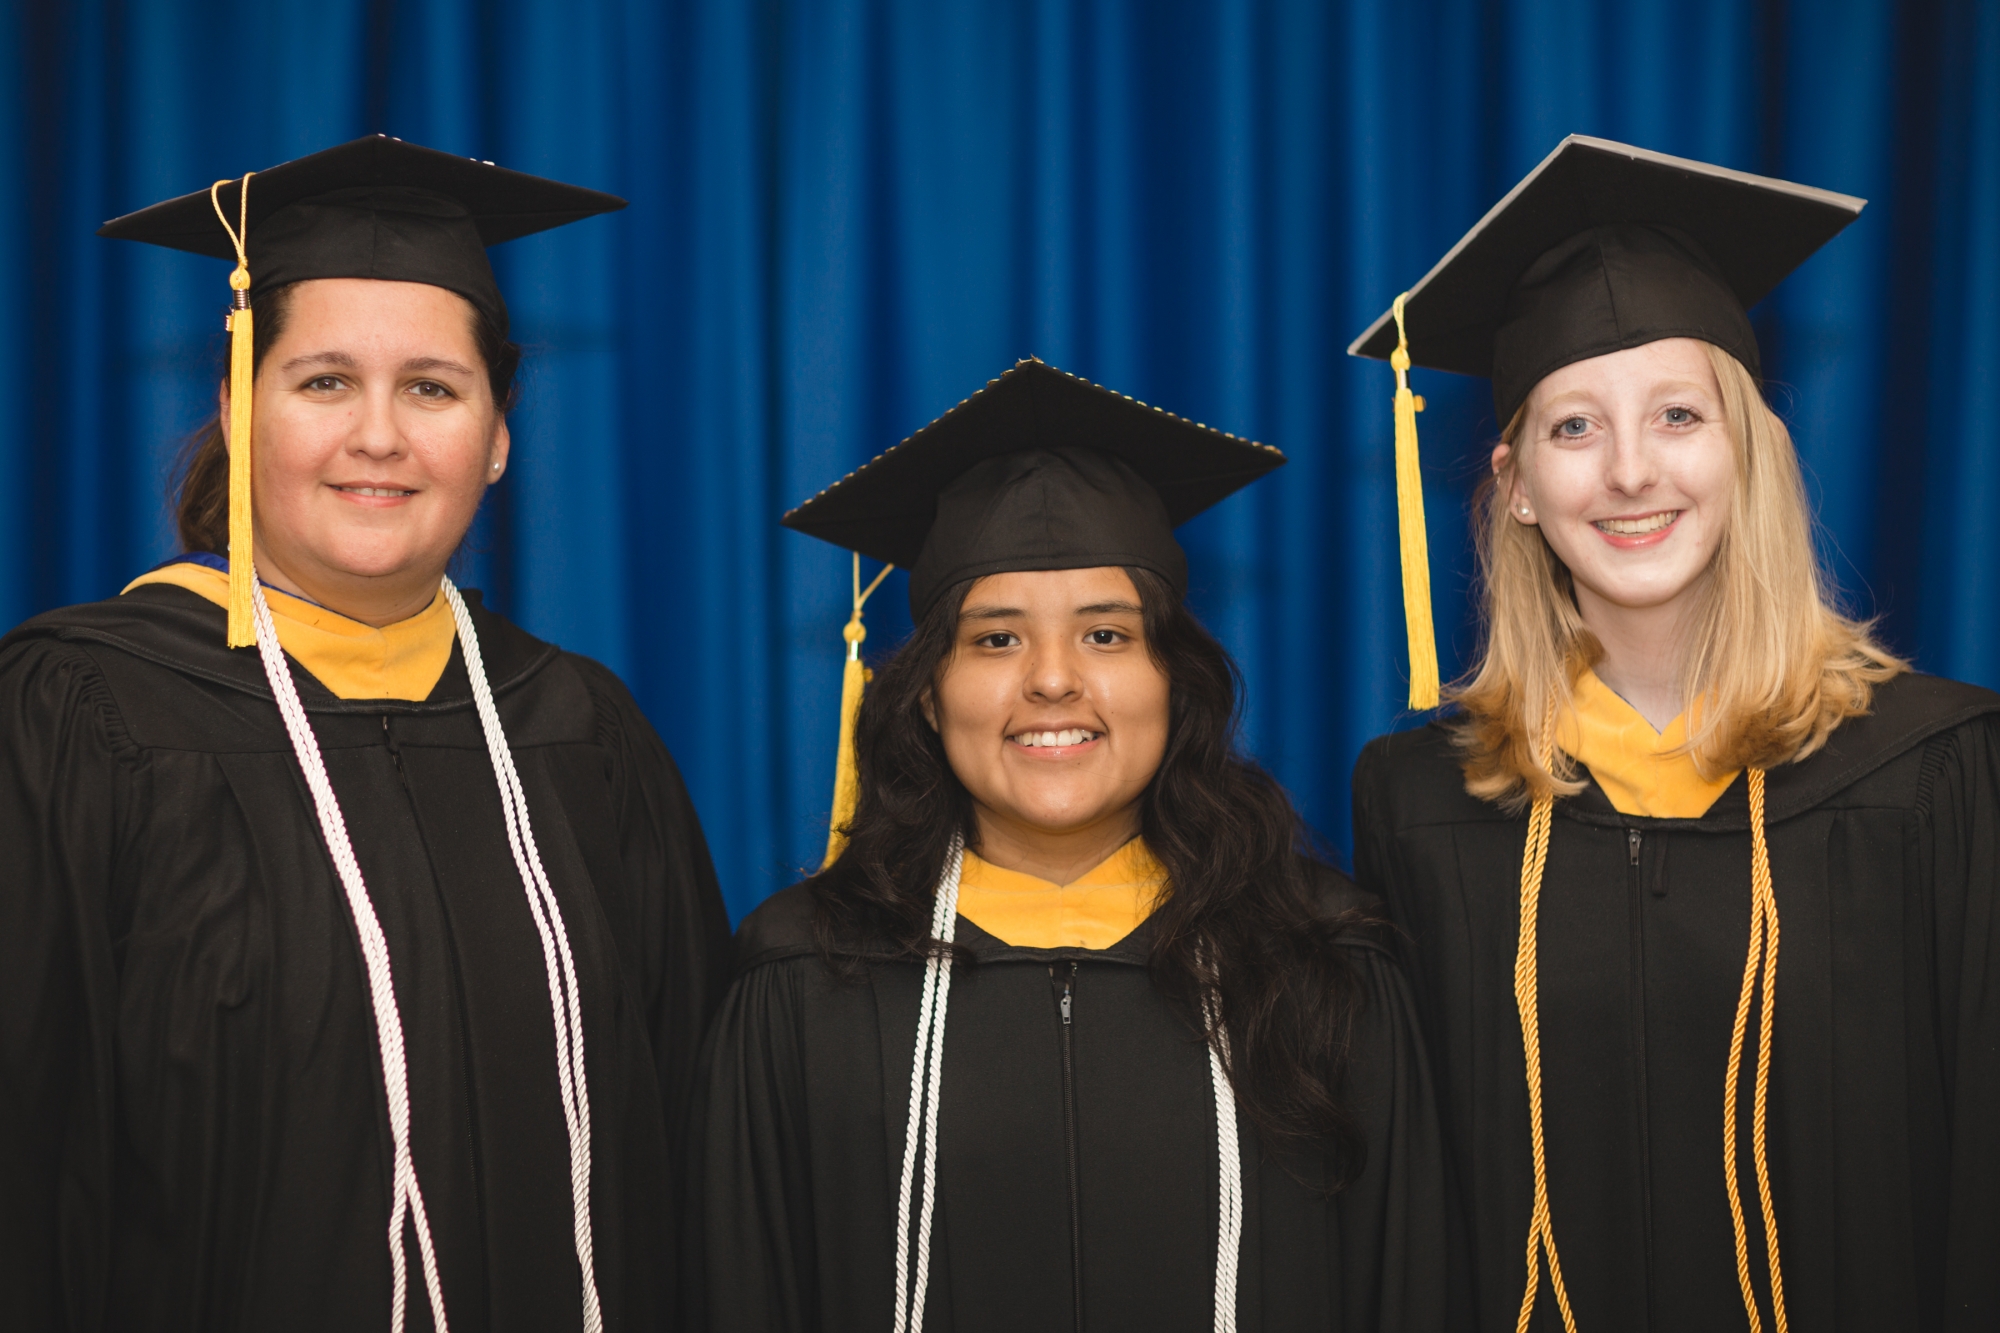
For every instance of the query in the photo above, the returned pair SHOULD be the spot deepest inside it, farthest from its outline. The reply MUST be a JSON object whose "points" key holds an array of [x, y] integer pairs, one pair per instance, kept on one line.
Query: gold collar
{"points": [[1095, 912], [1635, 765], [353, 660]]}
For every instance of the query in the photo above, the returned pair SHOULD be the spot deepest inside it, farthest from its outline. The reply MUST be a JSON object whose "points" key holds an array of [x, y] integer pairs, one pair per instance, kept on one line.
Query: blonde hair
{"points": [[1772, 660]]}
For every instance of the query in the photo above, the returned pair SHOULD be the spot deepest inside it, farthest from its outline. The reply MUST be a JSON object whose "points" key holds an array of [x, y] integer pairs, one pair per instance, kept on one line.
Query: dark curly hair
{"points": [[1240, 918]]}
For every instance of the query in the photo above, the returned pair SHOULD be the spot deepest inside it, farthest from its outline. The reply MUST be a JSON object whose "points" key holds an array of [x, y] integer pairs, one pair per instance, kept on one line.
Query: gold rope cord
{"points": [[1541, 1227], [1760, 965], [1764, 948]]}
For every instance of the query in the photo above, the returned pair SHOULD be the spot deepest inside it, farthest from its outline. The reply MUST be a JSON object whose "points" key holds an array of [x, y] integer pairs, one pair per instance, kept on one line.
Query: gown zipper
{"points": [[389, 740], [1065, 1002], [1635, 899]]}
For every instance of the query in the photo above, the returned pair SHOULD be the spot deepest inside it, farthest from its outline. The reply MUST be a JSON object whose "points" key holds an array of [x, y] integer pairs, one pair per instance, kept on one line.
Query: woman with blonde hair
{"points": [[1673, 744]]}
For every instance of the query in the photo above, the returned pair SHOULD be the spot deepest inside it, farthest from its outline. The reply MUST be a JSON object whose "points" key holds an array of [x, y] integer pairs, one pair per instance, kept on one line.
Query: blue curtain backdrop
{"points": [[847, 214]]}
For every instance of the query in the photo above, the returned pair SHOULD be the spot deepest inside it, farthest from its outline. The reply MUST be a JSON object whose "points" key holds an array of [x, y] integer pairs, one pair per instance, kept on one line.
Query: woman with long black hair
{"points": [[1070, 1034]]}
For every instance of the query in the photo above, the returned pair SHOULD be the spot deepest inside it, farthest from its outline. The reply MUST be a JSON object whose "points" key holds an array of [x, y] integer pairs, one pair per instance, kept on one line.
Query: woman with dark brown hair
{"points": [[1070, 1033], [356, 946]]}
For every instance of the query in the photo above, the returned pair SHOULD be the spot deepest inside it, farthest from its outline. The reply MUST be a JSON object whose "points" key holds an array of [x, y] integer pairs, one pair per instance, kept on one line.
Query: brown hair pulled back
{"points": [[200, 492]]}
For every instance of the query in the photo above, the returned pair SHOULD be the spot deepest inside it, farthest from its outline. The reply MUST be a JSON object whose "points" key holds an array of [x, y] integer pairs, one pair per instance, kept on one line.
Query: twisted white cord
{"points": [[1229, 1232], [565, 998], [926, 1077], [408, 1194], [927, 1081]]}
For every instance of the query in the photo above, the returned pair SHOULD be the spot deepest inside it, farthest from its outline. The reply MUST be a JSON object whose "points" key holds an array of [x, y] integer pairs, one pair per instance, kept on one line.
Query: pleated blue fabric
{"points": [[847, 214]]}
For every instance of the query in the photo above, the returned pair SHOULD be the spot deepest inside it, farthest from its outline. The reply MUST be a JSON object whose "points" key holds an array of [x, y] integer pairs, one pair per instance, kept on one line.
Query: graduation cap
{"points": [[1602, 247], [1038, 470], [373, 208]]}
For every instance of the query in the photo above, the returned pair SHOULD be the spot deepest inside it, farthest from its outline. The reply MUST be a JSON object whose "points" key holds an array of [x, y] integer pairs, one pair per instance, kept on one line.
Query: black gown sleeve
{"points": [[1377, 872], [683, 935], [1391, 1237], [1374, 841], [63, 786], [1961, 806], [751, 1255]]}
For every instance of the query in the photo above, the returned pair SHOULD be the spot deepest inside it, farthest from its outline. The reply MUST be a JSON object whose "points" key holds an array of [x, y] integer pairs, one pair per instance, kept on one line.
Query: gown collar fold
{"points": [[183, 632], [1907, 711]]}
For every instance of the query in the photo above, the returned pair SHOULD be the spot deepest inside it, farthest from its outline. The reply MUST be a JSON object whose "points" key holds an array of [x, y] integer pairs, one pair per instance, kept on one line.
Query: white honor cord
{"points": [[926, 1075], [565, 999], [1229, 1231], [409, 1196]]}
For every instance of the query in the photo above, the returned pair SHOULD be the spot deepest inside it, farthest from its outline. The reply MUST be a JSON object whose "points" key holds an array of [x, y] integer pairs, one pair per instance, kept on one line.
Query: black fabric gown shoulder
{"points": [[1885, 1086], [193, 1133], [801, 1120]]}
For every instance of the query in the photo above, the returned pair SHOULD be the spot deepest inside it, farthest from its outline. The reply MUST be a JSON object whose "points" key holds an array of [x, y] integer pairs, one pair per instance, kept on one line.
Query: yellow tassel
{"points": [[854, 678], [242, 632], [846, 778], [1410, 523], [242, 370]]}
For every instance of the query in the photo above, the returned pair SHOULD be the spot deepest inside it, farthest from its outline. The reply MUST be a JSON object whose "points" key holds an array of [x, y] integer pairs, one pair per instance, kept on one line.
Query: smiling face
{"points": [[1051, 709], [1628, 466], [376, 434]]}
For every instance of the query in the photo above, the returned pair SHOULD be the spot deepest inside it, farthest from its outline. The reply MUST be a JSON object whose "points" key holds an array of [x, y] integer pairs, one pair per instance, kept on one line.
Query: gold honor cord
{"points": [[242, 368], [1410, 526], [1764, 948], [1763, 956], [854, 678], [1541, 1227]]}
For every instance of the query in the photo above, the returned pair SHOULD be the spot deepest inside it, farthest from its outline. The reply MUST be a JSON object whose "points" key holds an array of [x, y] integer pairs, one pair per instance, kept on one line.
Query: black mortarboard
{"points": [[1038, 470], [1603, 247], [373, 208]]}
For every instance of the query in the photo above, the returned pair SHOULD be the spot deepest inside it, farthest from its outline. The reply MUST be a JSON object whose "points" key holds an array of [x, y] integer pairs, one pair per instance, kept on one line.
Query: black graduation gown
{"points": [[801, 1121], [193, 1130], [1885, 1085]]}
